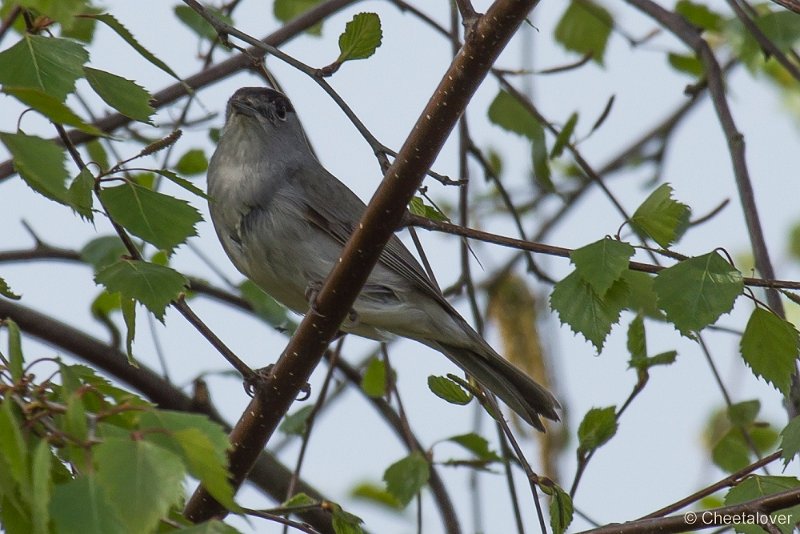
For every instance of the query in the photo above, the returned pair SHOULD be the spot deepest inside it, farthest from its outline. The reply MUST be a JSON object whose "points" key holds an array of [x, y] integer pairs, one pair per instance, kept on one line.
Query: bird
{"points": [[283, 221]]}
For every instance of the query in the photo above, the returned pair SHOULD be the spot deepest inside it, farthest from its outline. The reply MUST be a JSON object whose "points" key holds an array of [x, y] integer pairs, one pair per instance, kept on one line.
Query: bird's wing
{"points": [[339, 220]]}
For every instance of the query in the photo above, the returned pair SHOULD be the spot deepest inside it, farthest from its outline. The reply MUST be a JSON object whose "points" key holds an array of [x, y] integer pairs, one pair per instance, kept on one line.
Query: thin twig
{"points": [[726, 482], [766, 44], [552, 250], [9, 21], [690, 521]]}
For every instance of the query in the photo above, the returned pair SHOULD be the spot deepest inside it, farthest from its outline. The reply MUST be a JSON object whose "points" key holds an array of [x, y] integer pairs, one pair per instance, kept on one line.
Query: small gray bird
{"points": [[283, 221]]}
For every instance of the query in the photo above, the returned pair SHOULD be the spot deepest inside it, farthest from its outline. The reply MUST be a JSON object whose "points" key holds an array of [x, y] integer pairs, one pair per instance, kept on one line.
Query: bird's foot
{"points": [[311, 293], [257, 379], [260, 377]]}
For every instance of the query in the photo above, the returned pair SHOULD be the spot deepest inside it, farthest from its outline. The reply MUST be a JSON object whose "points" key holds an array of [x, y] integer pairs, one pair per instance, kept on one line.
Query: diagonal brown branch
{"points": [[384, 214]]}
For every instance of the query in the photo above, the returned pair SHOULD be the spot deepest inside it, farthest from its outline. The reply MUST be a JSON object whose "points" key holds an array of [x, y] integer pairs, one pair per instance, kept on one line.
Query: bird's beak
{"points": [[243, 108]]}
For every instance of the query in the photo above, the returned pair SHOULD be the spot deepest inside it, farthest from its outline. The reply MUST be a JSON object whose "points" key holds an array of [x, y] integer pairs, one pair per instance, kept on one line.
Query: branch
{"points": [[791, 5], [268, 473], [753, 512], [726, 482], [382, 217], [766, 44], [207, 76], [552, 250]]}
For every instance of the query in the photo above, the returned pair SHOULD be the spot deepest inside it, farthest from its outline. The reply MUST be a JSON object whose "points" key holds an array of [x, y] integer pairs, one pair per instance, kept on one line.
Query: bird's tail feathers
{"points": [[516, 389]]}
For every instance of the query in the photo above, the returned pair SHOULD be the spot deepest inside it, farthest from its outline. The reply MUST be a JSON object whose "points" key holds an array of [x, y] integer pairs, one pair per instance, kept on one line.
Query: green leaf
{"points": [[80, 194], [40, 163], [296, 424], [141, 480], [162, 220], [637, 340], [207, 463], [598, 426], [637, 347], [266, 307], [561, 509], [13, 449], [49, 64], [16, 360], [299, 500], [769, 346], [51, 107], [182, 182], [405, 478], [744, 413], [564, 136], [82, 28], [74, 423], [345, 522], [97, 154], [41, 487], [495, 162], [286, 10], [417, 206], [662, 358], [124, 95], [509, 113], [699, 15], [103, 251], [361, 37], [477, 445], [374, 380], [781, 27], [790, 440], [6, 291], [731, 453], [541, 163], [661, 217], [695, 292], [688, 64], [198, 24], [602, 263], [376, 495], [15, 516], [585, 28], [172, 421], [586, 312], [104, 304], [61, 11], [448, 390], [754, 487], [122, 31], [642, 297], [83, 498], [192, 162], [153, 285]]}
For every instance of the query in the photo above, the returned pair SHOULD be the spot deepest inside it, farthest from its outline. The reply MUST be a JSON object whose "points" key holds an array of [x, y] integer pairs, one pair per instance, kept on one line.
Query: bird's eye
{"points": [[280, 111]]}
